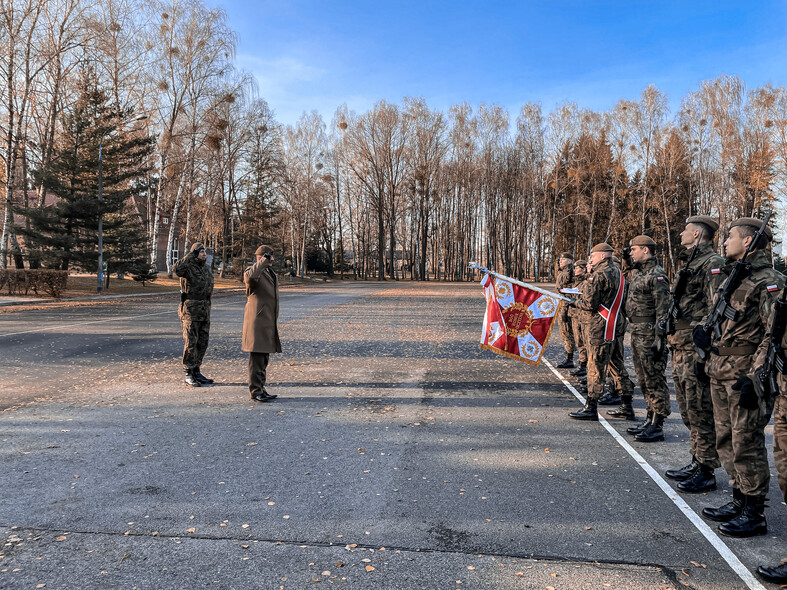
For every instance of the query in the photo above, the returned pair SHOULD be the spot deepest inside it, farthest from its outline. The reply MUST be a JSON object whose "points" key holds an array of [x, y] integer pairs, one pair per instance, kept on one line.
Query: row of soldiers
{"points": [[723, 322]]}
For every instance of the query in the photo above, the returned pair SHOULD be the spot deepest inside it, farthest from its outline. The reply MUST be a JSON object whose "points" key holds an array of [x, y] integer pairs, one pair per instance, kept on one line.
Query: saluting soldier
{"points": [[739, 417], [196, 288], [603, 291], [647, 304], [577, 320], [704, 275], [565, 280]]}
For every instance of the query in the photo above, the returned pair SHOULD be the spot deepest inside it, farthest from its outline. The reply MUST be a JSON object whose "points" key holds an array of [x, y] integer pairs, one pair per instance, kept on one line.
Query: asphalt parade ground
{"points": [[398, 455]]}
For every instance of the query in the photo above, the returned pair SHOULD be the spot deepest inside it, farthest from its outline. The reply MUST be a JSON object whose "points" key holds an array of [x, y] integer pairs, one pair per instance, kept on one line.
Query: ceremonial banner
{"points": [[519, 318]]}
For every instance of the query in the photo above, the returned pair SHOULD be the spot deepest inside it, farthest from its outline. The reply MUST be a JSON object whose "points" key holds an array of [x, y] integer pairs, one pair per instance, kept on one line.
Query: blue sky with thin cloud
{"points": [[317, 55]]}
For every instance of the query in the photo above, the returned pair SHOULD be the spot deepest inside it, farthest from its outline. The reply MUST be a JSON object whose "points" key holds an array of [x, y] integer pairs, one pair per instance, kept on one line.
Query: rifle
{"points": [[765, 377], [684, 274], [722, 309]]}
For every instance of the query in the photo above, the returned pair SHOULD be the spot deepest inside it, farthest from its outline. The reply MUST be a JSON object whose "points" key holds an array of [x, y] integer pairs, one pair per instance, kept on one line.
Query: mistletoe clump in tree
{"points": [[64, 235]]}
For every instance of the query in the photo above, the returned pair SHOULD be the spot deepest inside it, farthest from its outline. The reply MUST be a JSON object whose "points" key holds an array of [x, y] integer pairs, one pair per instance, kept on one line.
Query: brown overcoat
{"points": [[260, 332]]}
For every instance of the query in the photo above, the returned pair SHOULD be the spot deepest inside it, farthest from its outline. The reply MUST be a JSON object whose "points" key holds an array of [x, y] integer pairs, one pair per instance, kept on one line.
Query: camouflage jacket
{"points": [[196, 288], [565, 278], [733, 355], [781, 378], [706, 274], [648, 297], [600, 289], [574, 312]]}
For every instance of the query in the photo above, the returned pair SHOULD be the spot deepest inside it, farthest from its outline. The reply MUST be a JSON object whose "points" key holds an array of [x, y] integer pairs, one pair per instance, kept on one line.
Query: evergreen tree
{"points": [[65, 235]]}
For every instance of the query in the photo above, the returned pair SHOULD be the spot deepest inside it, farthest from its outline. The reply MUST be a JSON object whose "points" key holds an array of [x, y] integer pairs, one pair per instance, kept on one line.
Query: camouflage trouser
{"points": [[617, 369], [195, 341], [650, 375], [579, 339], [780, 442], [740, 439], [566, 331], [598, 363], [696, 407]]}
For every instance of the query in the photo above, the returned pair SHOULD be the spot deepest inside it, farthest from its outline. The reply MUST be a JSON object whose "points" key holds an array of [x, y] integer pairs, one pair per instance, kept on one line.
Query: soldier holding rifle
{"points": [[697, 281], [727, 341]]}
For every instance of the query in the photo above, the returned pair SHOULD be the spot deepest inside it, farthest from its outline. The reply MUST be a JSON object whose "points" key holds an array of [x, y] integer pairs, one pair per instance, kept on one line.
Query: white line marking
{"points": [[725, 552]]}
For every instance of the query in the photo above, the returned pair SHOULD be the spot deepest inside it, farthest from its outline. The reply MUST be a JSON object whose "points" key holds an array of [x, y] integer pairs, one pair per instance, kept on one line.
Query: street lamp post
{"points": [[100, 273]]}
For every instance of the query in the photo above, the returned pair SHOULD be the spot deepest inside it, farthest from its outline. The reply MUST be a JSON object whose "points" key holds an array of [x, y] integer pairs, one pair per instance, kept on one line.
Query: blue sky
{"points": [[317, 54]]}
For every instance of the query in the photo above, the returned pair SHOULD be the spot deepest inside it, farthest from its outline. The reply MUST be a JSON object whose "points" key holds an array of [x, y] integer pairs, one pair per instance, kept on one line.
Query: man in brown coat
{"points": [[260, 333]]}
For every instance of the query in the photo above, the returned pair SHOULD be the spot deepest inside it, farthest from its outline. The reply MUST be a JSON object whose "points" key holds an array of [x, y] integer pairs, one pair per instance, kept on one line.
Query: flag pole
{"points": [[483, 269]]}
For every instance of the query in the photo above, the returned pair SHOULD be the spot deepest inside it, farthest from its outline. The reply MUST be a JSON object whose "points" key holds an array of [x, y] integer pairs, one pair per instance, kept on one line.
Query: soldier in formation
{"points": [[692, 296], [578, 320], [196, 288], [565, 280]]}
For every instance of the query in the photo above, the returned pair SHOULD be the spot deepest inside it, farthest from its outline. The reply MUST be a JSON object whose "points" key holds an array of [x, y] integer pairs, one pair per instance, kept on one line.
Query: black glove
{"points": [[699, 371], [701, 338], [657, 349], [748, 399], [627, 254]]}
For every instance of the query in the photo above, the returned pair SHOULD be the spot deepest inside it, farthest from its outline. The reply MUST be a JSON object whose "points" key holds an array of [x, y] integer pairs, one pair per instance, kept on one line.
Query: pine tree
{"points": [[65, 235]]}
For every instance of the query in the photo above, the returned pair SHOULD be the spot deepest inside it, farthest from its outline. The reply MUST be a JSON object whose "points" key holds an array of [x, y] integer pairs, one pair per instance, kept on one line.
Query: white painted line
{"points": [[725, 552]]}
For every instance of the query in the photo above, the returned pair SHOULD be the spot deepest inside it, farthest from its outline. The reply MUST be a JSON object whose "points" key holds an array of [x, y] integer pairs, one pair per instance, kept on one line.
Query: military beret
{"points": [[602, 247], [752, 222], [568, 255], [581, 263], [262, 250], [705, 220], [642, 240], [196, 247]]}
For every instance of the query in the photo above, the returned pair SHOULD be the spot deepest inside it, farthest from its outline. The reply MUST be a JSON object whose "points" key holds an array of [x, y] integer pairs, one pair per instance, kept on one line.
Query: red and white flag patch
{"points": [[715, 271], [659, 278], [772, 288]]}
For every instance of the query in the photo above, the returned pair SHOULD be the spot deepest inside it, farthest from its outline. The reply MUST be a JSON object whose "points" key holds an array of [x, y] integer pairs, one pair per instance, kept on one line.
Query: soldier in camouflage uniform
{"points": [[601, 288], [565, 280], [647, 304], [577, 320], [705, 275], [196, 288], [740, 418], [619, 388], [778, 573]]}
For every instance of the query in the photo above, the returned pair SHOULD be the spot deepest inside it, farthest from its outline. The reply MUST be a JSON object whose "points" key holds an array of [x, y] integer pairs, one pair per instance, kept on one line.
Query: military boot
{"points": [[580, 371], [750, 522], [610, 397], [703, 480], [776, 574], [654, 432], [191, 379], [583, 390], [568, 363], [582, 380], [624, 410], [589, 412], [641, 426], [684, 472], [727, 512], [200, 377]]}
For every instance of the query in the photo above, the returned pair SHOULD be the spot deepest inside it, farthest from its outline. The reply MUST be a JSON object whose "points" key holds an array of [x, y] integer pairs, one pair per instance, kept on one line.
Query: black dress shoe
{"points": [[684, 472], [776, 574], [200, 377], [702, 481], [264, 396]]}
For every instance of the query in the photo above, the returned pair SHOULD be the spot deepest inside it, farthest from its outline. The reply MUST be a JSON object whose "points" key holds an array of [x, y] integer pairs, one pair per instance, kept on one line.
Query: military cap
{"points": [[752, 222], [197, 247], [705, 220], [568, 255], [642, 240], [602, 247], [581, 263], [262, 250]]}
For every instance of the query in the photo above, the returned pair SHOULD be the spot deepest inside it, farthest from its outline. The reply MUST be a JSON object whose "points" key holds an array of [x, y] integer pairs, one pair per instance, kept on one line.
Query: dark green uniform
{"points": [[196, 286]]}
